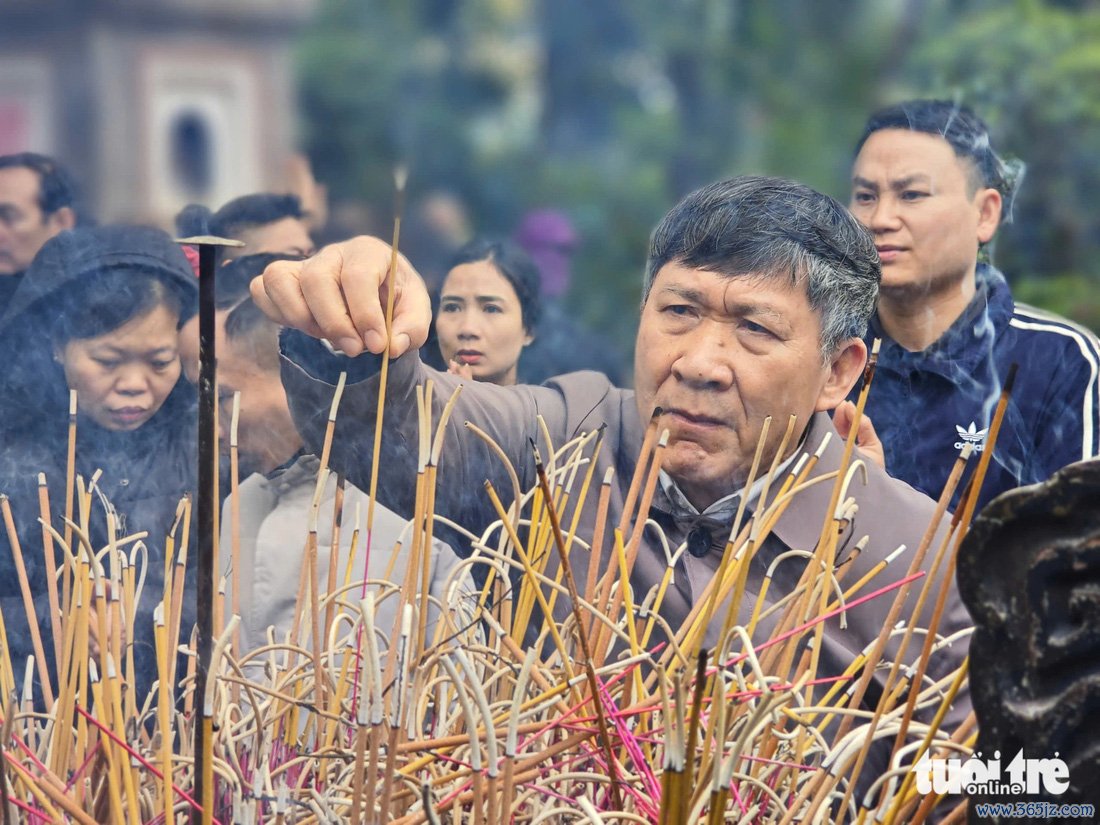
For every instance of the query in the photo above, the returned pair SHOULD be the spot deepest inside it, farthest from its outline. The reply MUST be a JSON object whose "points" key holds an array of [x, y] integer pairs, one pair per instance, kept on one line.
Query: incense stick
{"points": [[529, 742]]}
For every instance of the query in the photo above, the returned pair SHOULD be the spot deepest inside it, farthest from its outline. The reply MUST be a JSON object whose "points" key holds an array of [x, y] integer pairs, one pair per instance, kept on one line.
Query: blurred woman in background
{"points": [[488, 311]]}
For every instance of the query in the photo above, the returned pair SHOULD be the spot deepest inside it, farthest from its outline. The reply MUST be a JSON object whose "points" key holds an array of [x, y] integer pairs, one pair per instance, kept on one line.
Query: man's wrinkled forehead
{"points": [[722, 277], [722, 303]]}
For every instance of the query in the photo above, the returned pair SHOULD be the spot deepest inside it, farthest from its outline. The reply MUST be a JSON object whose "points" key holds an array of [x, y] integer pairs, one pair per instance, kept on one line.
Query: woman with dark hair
{"points": [[488, 310], [99, 313]]}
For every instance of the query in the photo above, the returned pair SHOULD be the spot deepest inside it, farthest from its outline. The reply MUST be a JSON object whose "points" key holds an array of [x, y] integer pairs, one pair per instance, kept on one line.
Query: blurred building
{"points": [[153, 103]]}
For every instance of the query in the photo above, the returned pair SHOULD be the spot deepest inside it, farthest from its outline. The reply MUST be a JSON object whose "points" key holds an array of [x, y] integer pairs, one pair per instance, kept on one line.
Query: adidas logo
{"points": [[970, 435]]}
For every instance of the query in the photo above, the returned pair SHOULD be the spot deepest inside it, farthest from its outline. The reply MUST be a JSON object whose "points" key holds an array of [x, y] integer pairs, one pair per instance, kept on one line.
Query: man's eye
{"points": [[913, 195], [756, 329], [449, 307], [679, 310], [106, 363], [162, 365], [862, 197], [493, 308]]}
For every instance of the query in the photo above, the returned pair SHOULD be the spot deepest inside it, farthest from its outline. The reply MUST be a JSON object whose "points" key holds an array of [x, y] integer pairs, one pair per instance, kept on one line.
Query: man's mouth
{"points": [[889, 252], [687, 419]]}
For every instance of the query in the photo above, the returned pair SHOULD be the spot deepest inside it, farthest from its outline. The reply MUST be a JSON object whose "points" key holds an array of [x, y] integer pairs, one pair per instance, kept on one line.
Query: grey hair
{"points": [[772, 228]]}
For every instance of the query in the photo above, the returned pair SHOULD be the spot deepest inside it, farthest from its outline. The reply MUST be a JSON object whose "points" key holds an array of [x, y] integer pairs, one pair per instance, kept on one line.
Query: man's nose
{"points": [[706, 358], [884, 216]]}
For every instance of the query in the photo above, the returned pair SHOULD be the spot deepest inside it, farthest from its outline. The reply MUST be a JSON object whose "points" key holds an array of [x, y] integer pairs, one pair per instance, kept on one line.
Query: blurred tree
{"points": [[1032, 70], [612, 110]]}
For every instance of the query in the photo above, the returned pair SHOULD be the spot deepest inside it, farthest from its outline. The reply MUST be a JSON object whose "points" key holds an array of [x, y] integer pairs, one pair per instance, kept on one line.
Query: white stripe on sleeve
{"points": [[1087, 344]]}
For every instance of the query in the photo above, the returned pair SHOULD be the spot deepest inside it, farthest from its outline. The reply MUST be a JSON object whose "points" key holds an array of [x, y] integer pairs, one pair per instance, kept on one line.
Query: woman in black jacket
{"points": [[98, 312]]}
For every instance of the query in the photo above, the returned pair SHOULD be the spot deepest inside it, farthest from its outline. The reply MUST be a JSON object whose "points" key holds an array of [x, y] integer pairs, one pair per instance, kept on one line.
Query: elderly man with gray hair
{"points": [[757, 293]]}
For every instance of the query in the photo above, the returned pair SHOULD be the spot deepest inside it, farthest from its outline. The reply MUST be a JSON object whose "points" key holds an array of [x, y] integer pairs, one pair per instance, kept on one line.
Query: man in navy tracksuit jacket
{"points": [[928, 185]]}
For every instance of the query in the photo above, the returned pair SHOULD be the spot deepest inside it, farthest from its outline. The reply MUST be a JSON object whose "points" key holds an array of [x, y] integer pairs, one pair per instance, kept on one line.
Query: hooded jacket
{"points": [[143, 473]]}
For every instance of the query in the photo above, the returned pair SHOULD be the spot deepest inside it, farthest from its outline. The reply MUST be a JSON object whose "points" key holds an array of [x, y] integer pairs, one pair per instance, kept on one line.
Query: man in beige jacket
{"points": [[756, 294]]}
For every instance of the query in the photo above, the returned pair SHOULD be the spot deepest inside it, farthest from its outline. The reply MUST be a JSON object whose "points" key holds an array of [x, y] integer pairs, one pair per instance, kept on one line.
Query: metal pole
{"points": [[205, 506]]}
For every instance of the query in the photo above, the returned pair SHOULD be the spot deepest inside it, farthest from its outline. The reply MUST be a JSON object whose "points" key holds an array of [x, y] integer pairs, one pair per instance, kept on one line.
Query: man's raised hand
{"points": [[340, 294]]}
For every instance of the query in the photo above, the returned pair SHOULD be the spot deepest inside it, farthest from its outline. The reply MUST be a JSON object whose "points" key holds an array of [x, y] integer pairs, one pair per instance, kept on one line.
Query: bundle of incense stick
{"points": [[451, 713]]}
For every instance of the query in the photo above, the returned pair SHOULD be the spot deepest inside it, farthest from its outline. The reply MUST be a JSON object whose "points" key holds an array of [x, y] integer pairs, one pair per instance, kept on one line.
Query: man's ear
{"points": [[844, 368], [989, 204], [62, 219]]}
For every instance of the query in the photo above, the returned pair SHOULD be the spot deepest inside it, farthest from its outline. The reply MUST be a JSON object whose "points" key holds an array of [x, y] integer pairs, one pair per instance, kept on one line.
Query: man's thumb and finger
{"points": [[867, 439], [340, 293]]}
